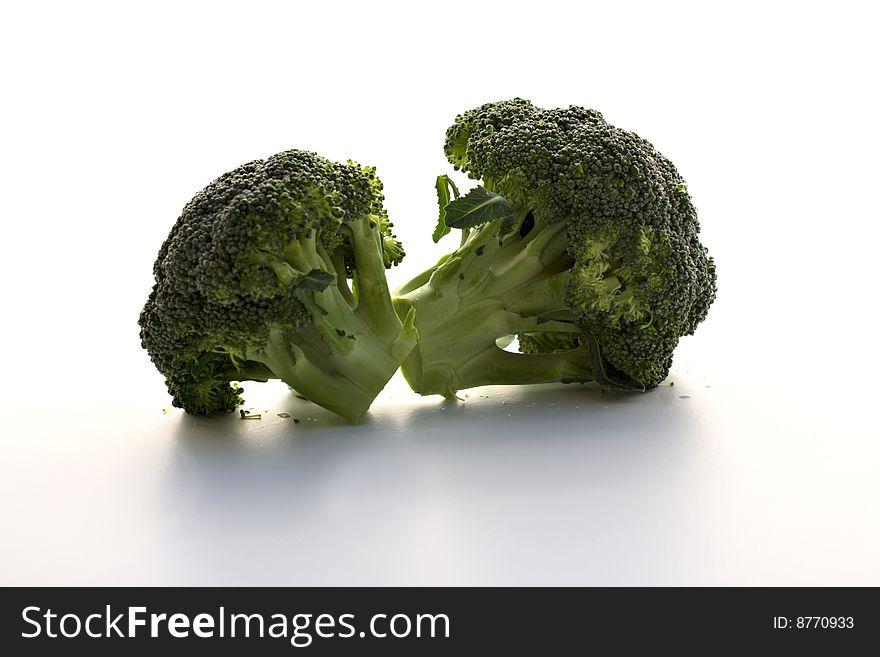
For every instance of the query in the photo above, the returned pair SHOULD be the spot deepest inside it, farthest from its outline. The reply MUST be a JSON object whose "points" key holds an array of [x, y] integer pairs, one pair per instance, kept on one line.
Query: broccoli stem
{"points": [[486, 289], [374, 297], [341, 369], [494, 366], [330, 388], [341, 279], [355, 343]]}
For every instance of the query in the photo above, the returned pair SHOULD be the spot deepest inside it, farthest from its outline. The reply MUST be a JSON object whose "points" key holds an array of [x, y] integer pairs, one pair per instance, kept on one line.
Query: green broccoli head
{"points": [[601, 228], [252, 283]]}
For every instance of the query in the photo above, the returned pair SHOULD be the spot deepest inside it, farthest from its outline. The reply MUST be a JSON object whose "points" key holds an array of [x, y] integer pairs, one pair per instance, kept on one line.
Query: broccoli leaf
{"points": [[444, 184], [317, 280], [479, 206]]}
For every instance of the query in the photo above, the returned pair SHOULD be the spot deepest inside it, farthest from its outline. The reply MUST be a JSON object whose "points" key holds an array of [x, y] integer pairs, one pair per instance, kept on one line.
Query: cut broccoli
{"points": [[253, 284], [582, 240]]}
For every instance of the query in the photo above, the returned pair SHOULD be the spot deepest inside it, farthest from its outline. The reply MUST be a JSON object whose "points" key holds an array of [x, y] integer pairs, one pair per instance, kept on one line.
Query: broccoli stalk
{"points": [[353, 345], [486, 290]]}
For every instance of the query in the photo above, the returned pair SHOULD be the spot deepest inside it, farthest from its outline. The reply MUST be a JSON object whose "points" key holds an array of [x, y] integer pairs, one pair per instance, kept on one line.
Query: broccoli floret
{"points": [[253, 284], [582, 240]]}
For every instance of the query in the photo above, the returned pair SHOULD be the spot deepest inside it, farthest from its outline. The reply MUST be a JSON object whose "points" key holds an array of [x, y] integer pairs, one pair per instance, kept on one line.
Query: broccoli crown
{"points": [[250, 279], [222, 244], [639, 277]]}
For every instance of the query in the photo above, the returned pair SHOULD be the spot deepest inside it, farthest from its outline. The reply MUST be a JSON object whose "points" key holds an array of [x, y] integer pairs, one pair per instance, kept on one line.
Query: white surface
{"points": [[765, 473]]}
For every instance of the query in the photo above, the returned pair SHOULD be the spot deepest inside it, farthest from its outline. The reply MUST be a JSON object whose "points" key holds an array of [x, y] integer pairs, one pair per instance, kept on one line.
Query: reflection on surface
{"points": [[549, 484]]}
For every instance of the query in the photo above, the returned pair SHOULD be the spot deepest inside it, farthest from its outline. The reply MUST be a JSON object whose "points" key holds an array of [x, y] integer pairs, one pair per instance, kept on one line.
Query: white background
{"points": [[760, 466]]}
